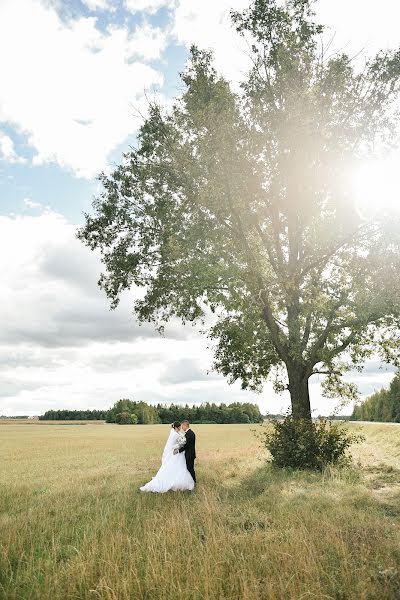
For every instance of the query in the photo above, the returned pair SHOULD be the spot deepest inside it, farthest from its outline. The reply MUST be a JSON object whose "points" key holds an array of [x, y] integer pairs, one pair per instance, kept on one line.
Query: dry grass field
{"points": [[73, 524]]}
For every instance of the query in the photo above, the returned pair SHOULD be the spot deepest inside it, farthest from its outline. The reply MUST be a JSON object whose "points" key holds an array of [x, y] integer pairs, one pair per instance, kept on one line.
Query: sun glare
{"points": [[376, 187]]}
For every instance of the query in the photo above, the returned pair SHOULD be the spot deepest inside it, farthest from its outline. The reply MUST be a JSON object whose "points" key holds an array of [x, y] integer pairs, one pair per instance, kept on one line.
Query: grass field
{"points": [[73, 524]]}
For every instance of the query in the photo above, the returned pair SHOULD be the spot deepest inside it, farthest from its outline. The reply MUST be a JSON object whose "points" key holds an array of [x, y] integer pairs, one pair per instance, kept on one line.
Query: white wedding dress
{"points": [[173, 474]]}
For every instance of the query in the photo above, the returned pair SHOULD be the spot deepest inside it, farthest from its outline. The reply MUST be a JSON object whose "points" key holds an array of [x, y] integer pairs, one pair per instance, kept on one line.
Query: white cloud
{"points": [[146, 41], [7, 151], [31, 204], [148, 6], [76, 85], [100, 5], [54, 279]]}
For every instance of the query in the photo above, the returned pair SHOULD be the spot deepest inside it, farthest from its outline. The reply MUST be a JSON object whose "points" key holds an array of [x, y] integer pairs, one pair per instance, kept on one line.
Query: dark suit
{"points": [[190, 452]]}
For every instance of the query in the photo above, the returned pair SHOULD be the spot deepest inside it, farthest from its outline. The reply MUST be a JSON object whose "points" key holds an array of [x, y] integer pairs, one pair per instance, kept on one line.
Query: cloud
{"points": [[126, 361], [73, 96], [7, 151], [376, 367], [52, 298], [9, 387], [100, 5], [148, 6], [146, 42], [31, 204], [186, 370]]}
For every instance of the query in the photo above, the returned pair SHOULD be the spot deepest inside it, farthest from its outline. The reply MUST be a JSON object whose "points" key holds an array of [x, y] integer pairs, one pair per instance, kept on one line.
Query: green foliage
{"points": [[145, 413], [383, 405], [304, 444], [240, 204], [211, 413], [125, 418], [74, 415], [14, 417]]}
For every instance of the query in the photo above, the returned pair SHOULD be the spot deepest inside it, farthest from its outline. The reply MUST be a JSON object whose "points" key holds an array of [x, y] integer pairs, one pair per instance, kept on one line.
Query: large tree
{"points": [[238, 203]]}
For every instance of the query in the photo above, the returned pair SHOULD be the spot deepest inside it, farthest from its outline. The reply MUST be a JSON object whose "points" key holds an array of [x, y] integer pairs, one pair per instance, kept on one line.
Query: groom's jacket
{"points": [[190, 447]]}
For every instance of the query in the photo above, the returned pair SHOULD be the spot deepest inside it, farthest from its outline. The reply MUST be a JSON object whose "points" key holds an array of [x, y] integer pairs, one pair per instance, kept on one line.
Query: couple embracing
{"points": [[177, 465]]}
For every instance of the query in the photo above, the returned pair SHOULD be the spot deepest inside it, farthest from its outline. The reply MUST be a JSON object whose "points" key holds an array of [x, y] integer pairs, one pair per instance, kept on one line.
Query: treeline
{"points": [[204, 413], [74, 415], [211, 413], [383, 405], [144, 413], [14, 417]]}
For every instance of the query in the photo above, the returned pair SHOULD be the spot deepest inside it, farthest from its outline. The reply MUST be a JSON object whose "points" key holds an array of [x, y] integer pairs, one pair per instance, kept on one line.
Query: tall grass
{"points": [[73, 524]]}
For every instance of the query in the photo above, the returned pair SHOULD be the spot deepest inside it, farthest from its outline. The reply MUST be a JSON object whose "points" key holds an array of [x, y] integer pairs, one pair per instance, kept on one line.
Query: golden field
{"points": [[73, 524]]}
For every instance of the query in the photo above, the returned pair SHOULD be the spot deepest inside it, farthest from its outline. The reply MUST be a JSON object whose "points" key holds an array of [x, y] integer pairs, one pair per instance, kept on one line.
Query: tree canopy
{"points": [[145, 413], [239, 203]]}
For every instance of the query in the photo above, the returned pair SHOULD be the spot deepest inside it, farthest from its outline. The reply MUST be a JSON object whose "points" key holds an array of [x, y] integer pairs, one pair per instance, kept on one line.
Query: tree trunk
{"points": [[299, 393]]}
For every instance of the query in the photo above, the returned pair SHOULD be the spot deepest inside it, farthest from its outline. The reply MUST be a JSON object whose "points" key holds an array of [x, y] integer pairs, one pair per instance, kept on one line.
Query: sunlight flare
{"points": [[376, 187]]}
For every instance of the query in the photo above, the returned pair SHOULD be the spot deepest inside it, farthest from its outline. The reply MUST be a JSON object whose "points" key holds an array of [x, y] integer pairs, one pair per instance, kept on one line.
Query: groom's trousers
{"points": [[190, 466]]}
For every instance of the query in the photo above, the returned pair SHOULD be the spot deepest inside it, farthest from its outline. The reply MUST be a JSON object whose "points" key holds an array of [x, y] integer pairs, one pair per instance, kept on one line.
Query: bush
{"points": [[303, 444], [125, 418]]}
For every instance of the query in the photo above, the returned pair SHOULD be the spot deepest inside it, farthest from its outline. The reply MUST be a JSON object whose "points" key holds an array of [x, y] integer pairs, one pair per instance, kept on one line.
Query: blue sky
{"points": [[74, 76]]}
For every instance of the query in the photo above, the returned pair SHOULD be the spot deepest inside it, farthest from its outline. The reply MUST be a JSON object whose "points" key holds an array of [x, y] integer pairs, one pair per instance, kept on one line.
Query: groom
{"points": [[189, 448]]}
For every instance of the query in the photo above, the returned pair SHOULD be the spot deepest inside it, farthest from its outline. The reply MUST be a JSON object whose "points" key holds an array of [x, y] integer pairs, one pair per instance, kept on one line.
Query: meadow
{"points": [[73, 524]]}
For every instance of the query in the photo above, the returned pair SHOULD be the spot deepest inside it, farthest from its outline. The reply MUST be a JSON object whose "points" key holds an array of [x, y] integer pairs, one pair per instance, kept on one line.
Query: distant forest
{"points": [[161, 413], [74, 415], [383, 405]]}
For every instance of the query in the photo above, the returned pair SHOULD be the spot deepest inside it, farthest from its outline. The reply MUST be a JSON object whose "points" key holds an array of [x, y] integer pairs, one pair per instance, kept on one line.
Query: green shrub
{"points": [[126, 418], [303, 444]]}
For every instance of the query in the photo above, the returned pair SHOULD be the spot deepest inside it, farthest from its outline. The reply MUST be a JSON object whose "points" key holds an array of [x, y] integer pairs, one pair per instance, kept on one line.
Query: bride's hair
{"points": [[175, 424]]}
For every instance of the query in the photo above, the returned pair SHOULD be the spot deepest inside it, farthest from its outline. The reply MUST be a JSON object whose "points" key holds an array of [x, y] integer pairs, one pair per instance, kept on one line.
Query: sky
{"points": [[76, 77]]}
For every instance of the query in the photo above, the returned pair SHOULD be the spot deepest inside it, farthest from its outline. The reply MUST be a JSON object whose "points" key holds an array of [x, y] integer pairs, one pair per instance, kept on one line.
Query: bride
{"points": [[173, 474]]}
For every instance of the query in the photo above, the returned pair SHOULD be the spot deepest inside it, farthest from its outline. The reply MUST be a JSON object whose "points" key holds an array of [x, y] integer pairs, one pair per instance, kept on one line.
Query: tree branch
{"points": [[350, 338], [268, 247], [307, 331], [276, 332], [328, 255], [331, 372]]}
